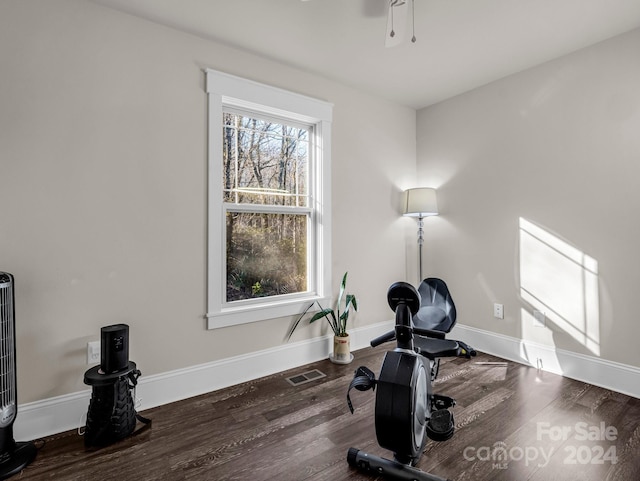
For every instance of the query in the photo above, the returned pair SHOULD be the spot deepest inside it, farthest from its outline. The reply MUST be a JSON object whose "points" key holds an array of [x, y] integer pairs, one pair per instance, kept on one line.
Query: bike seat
{"points": [[433, 348]]}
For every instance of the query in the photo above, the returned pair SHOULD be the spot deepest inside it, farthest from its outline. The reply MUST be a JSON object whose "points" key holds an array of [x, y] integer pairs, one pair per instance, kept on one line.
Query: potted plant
{"points": [[337, 321]]}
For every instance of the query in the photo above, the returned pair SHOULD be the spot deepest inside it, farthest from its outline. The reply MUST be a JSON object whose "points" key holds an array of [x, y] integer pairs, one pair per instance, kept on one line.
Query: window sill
{"points": [[232, 316]]}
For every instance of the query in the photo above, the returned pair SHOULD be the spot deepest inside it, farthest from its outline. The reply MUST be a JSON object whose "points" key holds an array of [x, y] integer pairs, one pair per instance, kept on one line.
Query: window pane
{"points": [[264, 162], [266, 255]]}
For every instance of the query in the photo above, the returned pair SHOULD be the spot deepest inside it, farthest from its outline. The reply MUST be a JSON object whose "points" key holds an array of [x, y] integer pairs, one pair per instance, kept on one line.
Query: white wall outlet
{"points": [[539, 319], [93, 352], [498, 311]]}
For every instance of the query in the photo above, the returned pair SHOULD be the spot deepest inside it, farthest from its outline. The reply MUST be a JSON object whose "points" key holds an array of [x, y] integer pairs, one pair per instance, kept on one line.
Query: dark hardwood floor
{"points": [[513, 423]]}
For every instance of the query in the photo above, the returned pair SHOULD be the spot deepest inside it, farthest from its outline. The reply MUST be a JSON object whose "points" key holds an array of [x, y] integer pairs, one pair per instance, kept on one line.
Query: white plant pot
{"points": [[341, 350]]}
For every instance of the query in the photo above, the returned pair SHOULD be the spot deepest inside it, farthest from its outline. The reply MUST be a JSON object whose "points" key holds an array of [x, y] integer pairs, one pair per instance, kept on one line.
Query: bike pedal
{"points": [[442, 402], [440, 426]]}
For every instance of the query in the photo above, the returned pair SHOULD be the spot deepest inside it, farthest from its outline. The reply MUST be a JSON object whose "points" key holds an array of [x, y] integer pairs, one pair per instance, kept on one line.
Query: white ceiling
{"points": [[461, 44]]}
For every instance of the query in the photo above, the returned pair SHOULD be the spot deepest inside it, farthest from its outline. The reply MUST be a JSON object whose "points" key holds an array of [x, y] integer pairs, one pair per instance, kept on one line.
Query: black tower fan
{"points": [[13, 456]]}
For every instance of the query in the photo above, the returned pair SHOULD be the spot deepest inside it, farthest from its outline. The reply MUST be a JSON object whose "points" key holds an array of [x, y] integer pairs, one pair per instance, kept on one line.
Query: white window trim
{"points": [[226, 90]]}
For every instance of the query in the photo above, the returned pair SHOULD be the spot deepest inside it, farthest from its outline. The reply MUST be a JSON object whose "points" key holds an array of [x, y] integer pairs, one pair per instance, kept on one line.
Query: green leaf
{"points": [[321, 314], [298, 321], [343, 287], [351, 301]]}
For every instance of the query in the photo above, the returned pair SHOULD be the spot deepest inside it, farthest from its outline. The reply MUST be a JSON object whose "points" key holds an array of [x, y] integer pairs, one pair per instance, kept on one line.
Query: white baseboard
{"points": [[63, 413], [611, 375]]}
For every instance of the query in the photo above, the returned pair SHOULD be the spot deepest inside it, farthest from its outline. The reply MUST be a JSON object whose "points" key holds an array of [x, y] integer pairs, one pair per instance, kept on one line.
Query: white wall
{"points": [[558, 146], [103, 182]]}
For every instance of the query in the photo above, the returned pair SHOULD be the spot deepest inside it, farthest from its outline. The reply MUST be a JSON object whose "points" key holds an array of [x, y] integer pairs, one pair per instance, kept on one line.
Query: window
{"points": [[265, 201], [269, 201]]}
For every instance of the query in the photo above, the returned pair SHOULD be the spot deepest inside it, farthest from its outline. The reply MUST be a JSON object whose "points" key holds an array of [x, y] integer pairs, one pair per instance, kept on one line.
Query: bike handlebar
{"points": [[429, 333], [464, 350], [391, 335]]}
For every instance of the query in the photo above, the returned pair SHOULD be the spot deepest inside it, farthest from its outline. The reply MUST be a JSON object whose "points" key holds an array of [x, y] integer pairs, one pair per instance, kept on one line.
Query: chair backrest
{"points": [[435, 295]]}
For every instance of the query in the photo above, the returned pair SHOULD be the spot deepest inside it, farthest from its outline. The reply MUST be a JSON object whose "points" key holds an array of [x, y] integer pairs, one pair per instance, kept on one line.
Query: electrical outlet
{"points": [[538, 318], [498, 311], [93, 352]]}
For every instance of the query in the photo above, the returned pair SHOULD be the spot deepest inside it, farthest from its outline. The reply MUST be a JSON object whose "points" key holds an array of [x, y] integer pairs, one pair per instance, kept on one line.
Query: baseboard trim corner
{"points": [[607, 374]]}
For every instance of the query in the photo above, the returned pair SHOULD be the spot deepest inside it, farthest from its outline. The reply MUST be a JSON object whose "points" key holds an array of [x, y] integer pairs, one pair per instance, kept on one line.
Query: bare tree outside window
{"points": [[265, 164]]}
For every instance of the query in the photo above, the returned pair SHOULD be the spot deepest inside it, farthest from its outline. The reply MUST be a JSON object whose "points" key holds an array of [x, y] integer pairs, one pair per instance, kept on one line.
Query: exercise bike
{"points": [[407, 412]]}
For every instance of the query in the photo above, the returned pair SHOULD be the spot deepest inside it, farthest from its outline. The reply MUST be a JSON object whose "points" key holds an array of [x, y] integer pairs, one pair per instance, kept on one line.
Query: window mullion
{"points": [[267, 209]]}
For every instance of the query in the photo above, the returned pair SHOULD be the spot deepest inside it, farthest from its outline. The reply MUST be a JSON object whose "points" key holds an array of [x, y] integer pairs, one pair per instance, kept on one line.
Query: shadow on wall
{"points": [[561, 281]]}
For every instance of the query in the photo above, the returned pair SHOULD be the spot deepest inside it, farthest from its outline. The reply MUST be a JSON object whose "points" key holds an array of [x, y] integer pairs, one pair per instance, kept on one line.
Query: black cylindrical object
{"points": [[114, 348], [371, 464], [402, 405], [112, 414]]}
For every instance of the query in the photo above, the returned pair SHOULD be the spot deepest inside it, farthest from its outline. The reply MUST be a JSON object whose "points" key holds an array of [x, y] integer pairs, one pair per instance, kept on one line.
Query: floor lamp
{"points": [[420, 202]]}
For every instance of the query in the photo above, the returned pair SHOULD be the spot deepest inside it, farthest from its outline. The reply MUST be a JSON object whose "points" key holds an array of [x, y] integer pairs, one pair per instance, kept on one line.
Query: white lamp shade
{"points": [[420, 202]]}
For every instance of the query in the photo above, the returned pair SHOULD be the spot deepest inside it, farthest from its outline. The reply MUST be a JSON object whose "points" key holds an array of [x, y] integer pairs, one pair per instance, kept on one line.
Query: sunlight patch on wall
{"points": [[562, 281]]}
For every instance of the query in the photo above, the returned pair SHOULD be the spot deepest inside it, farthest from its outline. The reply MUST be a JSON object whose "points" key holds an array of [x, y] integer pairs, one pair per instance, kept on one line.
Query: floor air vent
{"points": [[305, 377]]}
